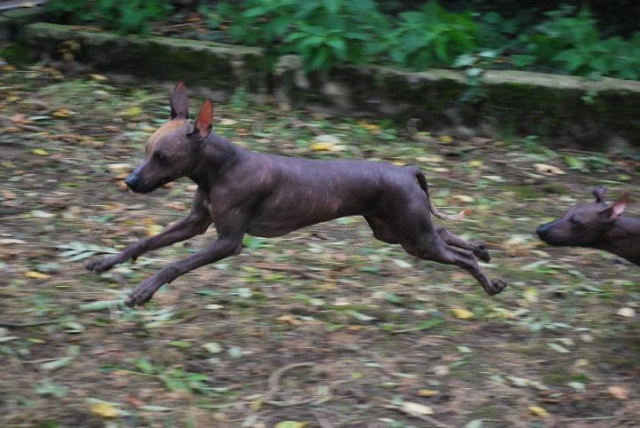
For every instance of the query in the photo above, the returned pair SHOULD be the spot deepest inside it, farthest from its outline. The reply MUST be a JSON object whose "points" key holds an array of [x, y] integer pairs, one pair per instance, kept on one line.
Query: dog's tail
{"points": [[422, 181]]}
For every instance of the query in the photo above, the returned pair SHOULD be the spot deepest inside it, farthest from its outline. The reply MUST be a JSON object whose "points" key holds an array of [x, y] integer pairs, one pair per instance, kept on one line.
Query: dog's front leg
{"points": [[195, 223], [222, 248]]}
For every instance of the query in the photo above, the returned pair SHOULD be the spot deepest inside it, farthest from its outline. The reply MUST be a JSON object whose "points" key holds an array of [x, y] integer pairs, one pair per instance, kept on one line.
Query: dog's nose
{"points": [[131, 181], [542, 230]]}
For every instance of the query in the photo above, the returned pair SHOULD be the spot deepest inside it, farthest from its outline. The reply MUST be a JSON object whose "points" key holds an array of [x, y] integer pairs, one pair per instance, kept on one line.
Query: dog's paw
{"points": [[481, 251], [142, 293], [497, 286], [102, 264]]}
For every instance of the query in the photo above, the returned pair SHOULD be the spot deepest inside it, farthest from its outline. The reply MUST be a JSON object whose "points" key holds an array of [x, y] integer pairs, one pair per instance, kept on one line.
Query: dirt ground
{"points": [[325, 327]]}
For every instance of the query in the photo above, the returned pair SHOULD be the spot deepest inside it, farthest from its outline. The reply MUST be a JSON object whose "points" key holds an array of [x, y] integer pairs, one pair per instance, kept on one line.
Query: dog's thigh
{"points": [[381, 230]]}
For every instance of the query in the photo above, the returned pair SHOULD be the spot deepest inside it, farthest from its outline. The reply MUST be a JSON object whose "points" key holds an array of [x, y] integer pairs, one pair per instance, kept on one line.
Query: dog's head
{"points": [[173, 150], [585, 224]]}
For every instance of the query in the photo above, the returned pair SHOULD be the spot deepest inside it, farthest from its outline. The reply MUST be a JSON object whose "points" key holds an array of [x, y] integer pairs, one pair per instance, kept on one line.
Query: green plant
{"points": [[336, 31], [324, 33], [124, 16], [572, 44], [431, 37], [474, 66]]}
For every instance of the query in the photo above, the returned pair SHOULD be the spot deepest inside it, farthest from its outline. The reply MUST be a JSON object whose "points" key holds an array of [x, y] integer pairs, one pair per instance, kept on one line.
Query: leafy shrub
{"points": [[431, 37], [336, 31], [323, 32], [124, 16], [573, 45]]}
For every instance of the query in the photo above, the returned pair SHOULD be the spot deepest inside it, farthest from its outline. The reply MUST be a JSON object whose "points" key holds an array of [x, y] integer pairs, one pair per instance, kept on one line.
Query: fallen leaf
{"points": [[291, 424], [104, 410], [154, 229], [543, 168], [288, 319], [464, 198], [416, 408], [461, 313], [40, 152], [98, 77], [618, 392], [538, 411], [134, 111], [427, 392], [371, 127], [518, 245], [326, 143], [36, 275], [626, 312], [320, 147], [445, 139], [62, 113]]}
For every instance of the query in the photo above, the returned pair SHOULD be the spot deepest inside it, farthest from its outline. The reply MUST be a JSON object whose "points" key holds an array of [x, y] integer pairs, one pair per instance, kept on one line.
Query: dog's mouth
{"points": [[142, 187]]}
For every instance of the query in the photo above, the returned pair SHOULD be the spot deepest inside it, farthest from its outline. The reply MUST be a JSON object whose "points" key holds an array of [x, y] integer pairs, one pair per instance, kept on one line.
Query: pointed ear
{"points": [[598, 192], [179, 102], [205, 117], [617, 208]]}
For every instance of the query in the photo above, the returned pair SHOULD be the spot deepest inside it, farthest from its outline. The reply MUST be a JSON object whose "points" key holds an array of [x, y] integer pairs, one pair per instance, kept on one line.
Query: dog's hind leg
{"points": [[479, 249], [383, 232], [438, 250]]}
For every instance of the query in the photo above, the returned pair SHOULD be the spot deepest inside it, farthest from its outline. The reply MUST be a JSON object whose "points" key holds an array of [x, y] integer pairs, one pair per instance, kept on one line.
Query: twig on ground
{"points": [[274, 387], [425, 418]]}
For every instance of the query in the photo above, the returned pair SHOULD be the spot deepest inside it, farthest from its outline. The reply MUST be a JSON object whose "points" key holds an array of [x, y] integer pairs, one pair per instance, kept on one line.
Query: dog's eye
{"points": [[574, 222], [161, 158]]}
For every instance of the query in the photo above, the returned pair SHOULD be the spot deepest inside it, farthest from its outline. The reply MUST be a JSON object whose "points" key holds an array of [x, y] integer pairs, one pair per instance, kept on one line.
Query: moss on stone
{"points": [[201, 63]]}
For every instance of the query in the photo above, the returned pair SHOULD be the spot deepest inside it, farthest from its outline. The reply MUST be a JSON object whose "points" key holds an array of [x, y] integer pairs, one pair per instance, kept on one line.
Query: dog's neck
{"points": [[622, 239], [216, 155]]}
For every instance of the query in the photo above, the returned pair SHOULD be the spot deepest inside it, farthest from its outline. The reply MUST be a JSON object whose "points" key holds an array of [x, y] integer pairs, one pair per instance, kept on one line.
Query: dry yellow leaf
{"points": [[446, 139], [36, 275], [134, 111], [543, 168], [104, 410], [291, 424], [98, 77], [62, 113], [40, 152], [462, 313], [464, 198], [538, 411], [320, 147], [476, 163], [618, 392], [154, 229], [288, 319], [416, 408], [427, 392], [626, 312]]}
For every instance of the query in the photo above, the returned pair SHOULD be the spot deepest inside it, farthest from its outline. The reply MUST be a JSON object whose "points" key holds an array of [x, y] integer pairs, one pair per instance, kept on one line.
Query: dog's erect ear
{"points": [[205, 117], [617, 208], [598, 192], [179, 102]]}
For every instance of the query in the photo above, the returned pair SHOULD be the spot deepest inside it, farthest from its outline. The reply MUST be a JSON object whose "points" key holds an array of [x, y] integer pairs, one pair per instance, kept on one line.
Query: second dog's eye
{"points": [[574, 222], [160, 158]]}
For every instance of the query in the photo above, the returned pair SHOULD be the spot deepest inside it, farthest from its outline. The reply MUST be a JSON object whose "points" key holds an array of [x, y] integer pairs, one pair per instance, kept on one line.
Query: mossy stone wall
{"points": [[561, 110]]}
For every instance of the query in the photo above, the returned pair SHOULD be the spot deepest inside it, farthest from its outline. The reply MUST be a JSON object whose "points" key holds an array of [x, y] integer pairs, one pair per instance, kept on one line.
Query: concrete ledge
{"points": [[222, 68], [562, 110]]}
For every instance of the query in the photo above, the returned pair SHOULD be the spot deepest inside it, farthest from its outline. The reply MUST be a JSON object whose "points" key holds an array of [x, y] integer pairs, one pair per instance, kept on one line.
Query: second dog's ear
{"points": [[598, 192], [204, 119], [617, 208], [179, 102]]}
